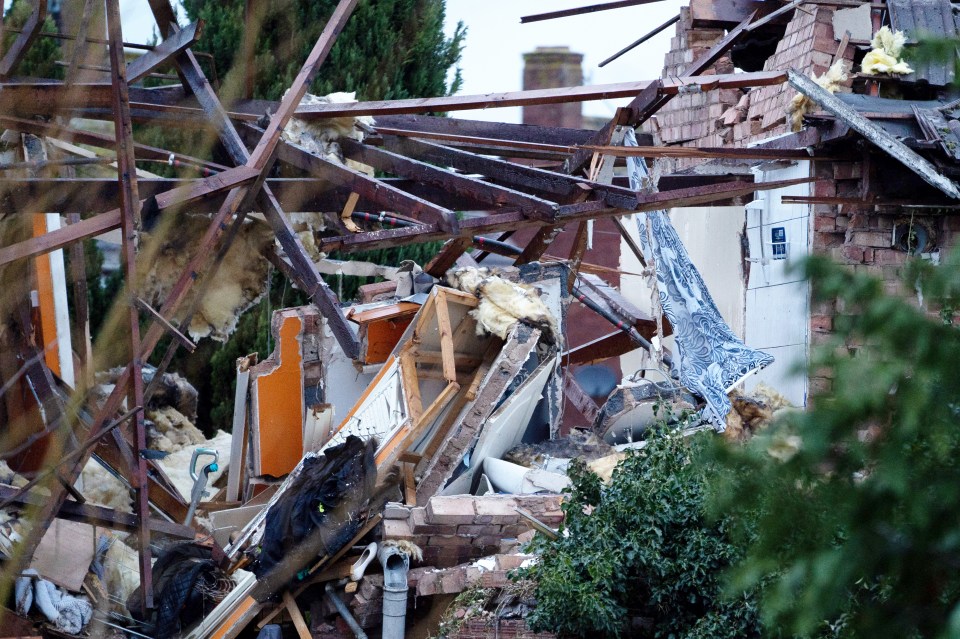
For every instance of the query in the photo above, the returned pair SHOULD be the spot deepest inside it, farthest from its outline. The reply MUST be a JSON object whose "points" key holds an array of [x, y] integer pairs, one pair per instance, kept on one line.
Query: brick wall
{"points": [[861, 238], [549, 68], [452, 530], [695, 119], [732, 116]]}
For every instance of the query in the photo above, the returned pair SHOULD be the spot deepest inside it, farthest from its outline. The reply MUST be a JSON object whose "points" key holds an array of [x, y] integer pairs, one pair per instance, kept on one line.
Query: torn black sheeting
{"points": [[316, 515]]}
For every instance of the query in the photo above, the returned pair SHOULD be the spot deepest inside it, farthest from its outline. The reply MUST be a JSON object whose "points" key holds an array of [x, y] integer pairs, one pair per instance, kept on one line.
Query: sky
{"points": [[492, 59]]}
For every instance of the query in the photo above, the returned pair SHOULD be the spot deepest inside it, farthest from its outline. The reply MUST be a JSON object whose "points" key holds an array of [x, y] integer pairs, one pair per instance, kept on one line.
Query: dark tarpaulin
{"points": [[317, 515]]}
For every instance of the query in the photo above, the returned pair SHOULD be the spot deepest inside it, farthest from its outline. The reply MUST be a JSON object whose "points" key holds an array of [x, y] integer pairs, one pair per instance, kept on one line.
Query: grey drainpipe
{"points": [[395, 563], [344, 611]]}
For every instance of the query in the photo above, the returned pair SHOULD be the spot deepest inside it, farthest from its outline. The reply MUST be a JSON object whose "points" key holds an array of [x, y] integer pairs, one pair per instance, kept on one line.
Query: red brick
{"points": [[397, 529], [418, 518], [889, 257], [500, 509], [452, 581], [821, 323], [850, 254], [494, 579], [879, 239], [450, 510], [428, 583], [475, 530], [824, 224]]}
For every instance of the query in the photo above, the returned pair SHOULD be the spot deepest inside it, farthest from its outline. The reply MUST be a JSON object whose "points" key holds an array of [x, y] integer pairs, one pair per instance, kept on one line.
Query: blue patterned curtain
{"points": [[710, 359]]}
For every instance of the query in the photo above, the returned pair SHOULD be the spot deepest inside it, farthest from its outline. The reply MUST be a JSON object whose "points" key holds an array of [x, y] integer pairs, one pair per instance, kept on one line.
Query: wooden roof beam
{"points": [[489, 193]]}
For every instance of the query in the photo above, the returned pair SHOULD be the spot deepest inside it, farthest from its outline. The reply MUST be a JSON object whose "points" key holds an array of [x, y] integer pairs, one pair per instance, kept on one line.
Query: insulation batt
{"points": [[320, 137], [238, 284], [800, 105], [884, 57], [502, 303]]}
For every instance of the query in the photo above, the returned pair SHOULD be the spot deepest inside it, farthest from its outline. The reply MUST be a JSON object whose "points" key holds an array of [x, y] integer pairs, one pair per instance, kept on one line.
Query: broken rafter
{"points": [[389, 197], [31, 29], [130, 208], [507, 221], [517, 175], [636, 43], [883, 140], [540, 96], [460, 184], [163, 52], [593, 8], [110, 220], [703, 152]]}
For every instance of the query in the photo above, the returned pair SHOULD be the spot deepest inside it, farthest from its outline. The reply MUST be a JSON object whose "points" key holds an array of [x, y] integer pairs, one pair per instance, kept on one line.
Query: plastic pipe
{"points": [[396, 564], [345, 612]]}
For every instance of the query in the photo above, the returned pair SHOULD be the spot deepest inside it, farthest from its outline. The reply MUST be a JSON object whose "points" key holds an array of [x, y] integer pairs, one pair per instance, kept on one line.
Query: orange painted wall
{"points": [[280, 405], [48, 315]]}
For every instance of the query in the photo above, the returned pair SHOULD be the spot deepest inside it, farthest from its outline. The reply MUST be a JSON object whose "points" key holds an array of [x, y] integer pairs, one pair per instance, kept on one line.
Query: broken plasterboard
{"points": [[65, 553], [505, 427]]}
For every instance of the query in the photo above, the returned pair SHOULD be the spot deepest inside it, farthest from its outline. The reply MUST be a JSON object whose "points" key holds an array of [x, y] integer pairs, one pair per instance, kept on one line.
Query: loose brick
{"points": [[500, 509], [428, 583], [395, 510], [452, 580], [450, 510], [397, 529]]}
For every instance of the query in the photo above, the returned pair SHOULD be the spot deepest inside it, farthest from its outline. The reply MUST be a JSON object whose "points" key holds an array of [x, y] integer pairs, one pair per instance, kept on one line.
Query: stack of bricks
{"points": [[695, 119], [456, 529], [809, 47]]}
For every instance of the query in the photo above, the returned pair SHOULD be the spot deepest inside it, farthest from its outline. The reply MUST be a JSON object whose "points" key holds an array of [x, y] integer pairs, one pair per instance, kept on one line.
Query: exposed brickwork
{"points": [[503, 628], [549, 68], [731, 116], [452, 530]]}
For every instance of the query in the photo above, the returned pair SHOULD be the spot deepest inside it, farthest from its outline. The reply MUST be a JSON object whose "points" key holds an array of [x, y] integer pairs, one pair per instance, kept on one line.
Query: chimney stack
{"points": [[550, 68]]}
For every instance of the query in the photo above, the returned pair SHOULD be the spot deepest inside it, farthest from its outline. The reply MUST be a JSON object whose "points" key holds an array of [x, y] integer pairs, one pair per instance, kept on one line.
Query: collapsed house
{"points": [[394, 453]]}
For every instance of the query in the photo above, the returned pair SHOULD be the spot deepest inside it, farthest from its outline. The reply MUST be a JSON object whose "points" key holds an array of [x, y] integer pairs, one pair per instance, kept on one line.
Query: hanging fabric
{"points": [[710, 359]]}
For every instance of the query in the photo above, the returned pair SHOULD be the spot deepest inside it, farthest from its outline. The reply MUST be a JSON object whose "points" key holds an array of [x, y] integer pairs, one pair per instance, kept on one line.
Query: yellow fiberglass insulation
{"points": [[172, 430], [884, 57], [238, 284], [320, 136], [502, 303], [800, 105]]}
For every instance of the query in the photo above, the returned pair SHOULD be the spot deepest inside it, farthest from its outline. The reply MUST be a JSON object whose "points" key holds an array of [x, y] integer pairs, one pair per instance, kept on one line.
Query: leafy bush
{"points": [[638, 557], [859, 494]]}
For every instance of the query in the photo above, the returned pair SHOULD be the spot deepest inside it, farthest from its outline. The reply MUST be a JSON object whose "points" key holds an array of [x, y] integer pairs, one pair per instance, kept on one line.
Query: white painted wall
{"points": [[777, 298], [712, 236]]}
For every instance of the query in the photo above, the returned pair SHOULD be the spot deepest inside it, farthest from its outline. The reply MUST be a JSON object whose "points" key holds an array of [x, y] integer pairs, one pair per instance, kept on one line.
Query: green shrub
{"points": [[638, 557]]}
